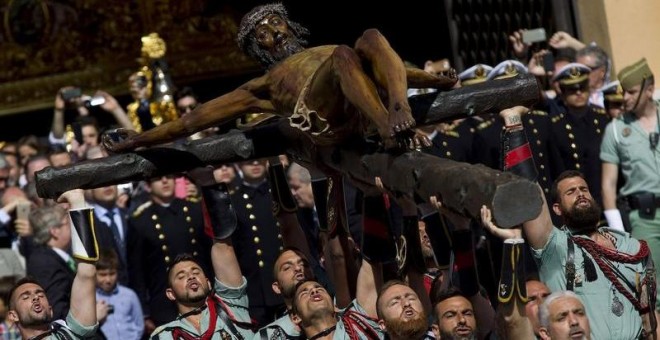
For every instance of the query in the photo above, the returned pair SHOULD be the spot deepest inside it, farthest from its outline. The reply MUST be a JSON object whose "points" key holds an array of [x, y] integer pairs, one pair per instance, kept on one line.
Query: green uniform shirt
{"points": [[627, 144], [72, 329], [280, 329], [237, 301], [597, 296]]}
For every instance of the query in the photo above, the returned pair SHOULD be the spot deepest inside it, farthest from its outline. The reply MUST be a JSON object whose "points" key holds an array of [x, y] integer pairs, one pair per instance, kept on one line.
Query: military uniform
{"points": [[232, 318], [454, 143], [257, 242], [577, 136], [156, 235]]}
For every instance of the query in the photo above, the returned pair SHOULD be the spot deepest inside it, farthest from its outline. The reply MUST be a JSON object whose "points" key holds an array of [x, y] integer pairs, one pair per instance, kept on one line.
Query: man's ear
{"points": [[296, 319], [650, 88], [381, 325], [543, 332], [170, 294], [276, 288], [12, 316], [436, 330], [556, 209]]}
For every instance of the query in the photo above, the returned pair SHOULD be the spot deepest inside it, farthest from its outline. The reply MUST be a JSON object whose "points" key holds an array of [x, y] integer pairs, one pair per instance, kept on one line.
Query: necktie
{"points": [[72, 264], [115, 233]]}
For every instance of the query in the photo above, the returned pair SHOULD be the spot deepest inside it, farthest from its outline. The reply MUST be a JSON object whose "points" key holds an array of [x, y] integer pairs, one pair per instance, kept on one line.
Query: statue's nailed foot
{"points": [[119, 140], [400, 118], [407, 140]]}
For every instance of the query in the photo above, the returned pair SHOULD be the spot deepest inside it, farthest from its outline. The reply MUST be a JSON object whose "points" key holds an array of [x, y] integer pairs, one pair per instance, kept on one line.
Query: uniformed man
{"points": [[537, 126], [257, 239], [613, 99], [577, 125], [158, 231]]}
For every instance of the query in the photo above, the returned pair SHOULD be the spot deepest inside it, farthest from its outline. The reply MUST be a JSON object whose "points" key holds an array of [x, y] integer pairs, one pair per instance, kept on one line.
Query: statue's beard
{"points": [[291, 47], [582, 219]]}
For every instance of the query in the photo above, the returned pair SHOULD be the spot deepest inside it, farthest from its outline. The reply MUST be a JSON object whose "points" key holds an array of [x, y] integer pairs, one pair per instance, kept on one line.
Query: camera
{"points": [[71, 93], [89, 102], [111, 309], [533, 35]]}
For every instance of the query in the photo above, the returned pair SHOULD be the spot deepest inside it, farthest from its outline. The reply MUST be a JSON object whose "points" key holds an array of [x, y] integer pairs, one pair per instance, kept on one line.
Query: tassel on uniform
{"points": [[590, 272]]}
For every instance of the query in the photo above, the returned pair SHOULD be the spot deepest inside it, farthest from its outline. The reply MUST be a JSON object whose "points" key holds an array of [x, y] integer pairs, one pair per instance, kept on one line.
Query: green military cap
{"points": [[634, 74]]}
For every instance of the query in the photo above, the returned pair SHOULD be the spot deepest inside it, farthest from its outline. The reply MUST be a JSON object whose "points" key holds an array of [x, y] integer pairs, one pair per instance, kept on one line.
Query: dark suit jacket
{"points": [[106, 240], [53, 274]]}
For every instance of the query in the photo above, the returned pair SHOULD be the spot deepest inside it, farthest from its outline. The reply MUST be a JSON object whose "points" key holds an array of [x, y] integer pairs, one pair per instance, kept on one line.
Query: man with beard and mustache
{"points": [[607, 268], [455, 317], [210, 311], [324, 91], [562, 316], [400, 312], [29, 307]]}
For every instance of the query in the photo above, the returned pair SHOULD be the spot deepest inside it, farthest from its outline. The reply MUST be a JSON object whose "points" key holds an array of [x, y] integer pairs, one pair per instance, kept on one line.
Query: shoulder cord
{"points": [[598, 252], [354, 321]]}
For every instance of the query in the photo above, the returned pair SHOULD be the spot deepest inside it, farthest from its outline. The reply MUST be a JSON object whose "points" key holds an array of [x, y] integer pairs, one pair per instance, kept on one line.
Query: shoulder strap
{"points": [[570, 263]]}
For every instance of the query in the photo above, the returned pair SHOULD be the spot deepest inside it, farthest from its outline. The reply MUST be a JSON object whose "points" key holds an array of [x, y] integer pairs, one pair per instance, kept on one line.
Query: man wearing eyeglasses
{"points": [[577, 125], [631, 145]]}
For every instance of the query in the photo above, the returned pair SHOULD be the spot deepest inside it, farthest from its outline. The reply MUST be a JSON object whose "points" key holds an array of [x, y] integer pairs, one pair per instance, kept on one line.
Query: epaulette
{"points": [[141, 208], [485, 124], [558, 118], [451, 133], [538, 113], [599, 110], [192, 199]]}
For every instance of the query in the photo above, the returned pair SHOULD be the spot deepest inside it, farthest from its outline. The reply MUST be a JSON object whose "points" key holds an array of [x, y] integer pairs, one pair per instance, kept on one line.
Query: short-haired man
{"points": [[400, 312], [455, 316], [29, 307], [209, 311], [563, 316]]}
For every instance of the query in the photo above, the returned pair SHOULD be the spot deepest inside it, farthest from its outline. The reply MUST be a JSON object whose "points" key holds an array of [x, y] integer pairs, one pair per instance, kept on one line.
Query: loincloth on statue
{"points": [[317, 127]]}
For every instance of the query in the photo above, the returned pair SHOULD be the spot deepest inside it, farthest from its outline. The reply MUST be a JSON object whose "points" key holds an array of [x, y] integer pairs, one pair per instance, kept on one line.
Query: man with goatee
{"points": [[609, 270]]}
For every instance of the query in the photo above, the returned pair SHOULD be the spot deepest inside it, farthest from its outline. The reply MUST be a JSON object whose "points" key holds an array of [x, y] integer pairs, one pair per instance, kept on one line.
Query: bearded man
{"points": [[607, 268], [324, 91], [400, 312]]}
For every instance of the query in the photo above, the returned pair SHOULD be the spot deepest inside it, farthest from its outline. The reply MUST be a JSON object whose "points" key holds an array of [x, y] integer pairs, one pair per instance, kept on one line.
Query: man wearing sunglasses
{"points": [[630, 145], [577, 125]]}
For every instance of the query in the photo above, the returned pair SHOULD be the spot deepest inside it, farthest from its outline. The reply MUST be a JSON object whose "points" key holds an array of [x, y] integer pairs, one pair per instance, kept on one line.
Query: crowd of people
{"points": [[256, 249]]}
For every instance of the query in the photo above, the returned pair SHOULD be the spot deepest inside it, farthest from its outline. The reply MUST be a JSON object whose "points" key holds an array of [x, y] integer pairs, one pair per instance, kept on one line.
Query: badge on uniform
{"points": [[626, 132]]}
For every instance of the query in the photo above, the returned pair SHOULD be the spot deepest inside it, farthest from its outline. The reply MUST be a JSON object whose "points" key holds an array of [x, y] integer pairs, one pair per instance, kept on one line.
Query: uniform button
{"points": [[545, 178], [279, 236], [256, 240], [538, 142], [246, 196], [448, 154], [161, 236], [195, 253], [281, 248], [573, 146], [185, 209], [535, 131], [164, 247], [571, 136], [191, 230], [188, 219], [597, 130], [193, 241], [278, 224], [444, 143], [259, 252], [252, 217], [531, 121], [167, 259], [254, 228], [577, 166], [575, 155], [261, 264], [546, 190], [568, 126], [540, 154], [542, 166], [596, 121], [249, 205], [158, 226], [154, 217]]}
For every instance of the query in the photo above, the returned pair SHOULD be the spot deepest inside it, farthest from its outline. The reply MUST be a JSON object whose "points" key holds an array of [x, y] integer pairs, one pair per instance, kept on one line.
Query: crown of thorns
{"points": [[251, 19]]}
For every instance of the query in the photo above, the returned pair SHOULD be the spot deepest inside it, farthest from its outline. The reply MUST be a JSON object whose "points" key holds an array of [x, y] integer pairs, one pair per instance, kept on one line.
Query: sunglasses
{"points": [[583, 87], [186, 109]]}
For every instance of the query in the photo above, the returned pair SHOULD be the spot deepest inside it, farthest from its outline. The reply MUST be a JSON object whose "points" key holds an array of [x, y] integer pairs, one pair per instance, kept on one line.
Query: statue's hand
{"points": [[119, 140]]}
